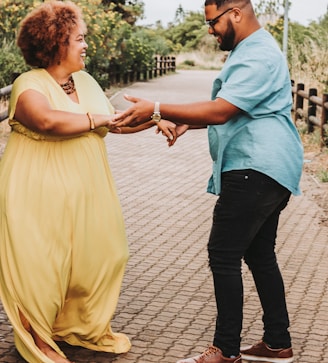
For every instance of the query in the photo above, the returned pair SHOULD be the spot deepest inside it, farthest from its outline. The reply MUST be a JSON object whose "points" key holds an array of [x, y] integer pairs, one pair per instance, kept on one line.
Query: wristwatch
{"points": [[156, 115]]}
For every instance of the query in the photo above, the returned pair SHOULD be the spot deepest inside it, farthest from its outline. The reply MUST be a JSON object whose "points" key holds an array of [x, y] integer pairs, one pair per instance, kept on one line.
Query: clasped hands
{"points": [[139, 113]]}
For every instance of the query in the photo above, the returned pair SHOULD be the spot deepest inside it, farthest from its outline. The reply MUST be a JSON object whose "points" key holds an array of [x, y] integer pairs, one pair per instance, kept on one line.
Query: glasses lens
{"points": [[211, 23]]}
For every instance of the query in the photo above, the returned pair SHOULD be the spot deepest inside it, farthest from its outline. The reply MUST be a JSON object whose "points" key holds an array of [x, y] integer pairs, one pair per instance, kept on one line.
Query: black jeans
{"points": [[245, 222]]}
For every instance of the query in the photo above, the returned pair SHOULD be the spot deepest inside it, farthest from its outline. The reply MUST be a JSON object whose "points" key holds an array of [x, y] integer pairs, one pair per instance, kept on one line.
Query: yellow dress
{"points": [[63, 248]]}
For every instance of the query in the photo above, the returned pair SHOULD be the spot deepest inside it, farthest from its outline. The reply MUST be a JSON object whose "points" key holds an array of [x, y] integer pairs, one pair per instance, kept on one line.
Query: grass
{"points": [[323, 175], [200, 60], [313, 71]]}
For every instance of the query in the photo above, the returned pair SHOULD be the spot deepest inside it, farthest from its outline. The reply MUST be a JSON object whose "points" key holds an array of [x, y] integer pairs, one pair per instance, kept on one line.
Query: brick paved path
{"points": [[167, 304]]}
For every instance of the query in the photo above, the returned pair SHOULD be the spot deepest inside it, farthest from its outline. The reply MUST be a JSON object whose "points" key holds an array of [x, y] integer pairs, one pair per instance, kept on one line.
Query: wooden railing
{"points": [[118, 74], [314, 113], [4, 99]]}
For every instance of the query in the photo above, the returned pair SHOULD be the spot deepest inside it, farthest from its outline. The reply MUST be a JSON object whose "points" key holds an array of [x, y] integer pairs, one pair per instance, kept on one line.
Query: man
{"points": [[257, 164]]}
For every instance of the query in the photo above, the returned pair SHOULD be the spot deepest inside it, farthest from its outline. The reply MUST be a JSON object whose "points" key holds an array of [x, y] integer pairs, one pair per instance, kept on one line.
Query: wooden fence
{"points": [[120, 75], [314, 113], [4, 100]]}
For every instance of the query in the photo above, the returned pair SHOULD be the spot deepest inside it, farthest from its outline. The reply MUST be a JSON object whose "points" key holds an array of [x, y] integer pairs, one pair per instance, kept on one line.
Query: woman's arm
{"points": [[34, 111], [132, 130]]}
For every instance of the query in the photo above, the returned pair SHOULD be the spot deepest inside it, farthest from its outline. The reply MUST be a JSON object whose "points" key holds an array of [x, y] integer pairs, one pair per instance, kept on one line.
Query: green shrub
{"points": [[323, 175], [189, 62], [11, 63]]}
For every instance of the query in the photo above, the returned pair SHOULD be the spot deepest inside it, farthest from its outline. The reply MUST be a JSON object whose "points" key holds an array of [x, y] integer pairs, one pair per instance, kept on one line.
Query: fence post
{"points": [[165, 64], [126, 76], [312, 109], [292, 83], [324, 117], [161, 66], [133, 73], [299, 99], [145, 73], [173, 64], [155, 66]]}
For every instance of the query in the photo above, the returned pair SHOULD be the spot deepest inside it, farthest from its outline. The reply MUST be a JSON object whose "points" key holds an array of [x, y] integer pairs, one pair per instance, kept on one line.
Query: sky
{"points": [[302, 11]]}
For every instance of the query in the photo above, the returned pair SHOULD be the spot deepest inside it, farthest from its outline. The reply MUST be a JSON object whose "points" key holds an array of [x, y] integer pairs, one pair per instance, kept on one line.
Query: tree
{"points": [[179, 14], [11, 13], [268, 11], [188, 33], [270, 7], [130, 10]]}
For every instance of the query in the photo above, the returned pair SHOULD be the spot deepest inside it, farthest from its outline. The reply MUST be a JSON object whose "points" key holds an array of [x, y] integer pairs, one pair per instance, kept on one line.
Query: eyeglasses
{"points": [[211, 23]]}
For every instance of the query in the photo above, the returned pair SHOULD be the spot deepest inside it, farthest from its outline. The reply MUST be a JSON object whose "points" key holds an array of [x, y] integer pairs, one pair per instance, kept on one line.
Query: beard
{"points": [[228, 38]]}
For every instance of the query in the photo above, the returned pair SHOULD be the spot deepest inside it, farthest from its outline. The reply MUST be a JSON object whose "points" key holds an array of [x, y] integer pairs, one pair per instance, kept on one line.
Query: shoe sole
{"points": [[266, 359]]}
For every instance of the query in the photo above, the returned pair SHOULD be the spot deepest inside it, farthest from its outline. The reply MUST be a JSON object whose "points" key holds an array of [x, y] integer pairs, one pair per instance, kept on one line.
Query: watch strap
{"points": [[157, 114], [156, 107]]}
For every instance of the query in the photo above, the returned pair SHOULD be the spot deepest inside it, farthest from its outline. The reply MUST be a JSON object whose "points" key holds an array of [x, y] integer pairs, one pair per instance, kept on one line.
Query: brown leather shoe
{"points": [[260, 352], [211, 355]]}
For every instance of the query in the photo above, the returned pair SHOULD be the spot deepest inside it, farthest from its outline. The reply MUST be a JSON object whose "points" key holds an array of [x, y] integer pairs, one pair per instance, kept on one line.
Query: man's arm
{"points": [[196, 114]]}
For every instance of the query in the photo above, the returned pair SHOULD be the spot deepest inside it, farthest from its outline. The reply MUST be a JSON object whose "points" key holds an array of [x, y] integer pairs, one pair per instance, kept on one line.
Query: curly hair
{"points": [[44, 33]]}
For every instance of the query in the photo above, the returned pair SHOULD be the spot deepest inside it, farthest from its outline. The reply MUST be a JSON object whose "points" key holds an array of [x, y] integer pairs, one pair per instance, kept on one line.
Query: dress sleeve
{"points": [[24, 82]]}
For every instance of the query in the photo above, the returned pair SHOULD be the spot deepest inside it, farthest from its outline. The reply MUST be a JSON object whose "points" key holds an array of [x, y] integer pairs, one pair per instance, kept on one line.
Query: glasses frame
{"points": [[211, 23]]}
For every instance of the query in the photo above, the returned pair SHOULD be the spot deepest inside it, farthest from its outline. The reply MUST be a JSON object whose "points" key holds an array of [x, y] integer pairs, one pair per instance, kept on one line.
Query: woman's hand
{"points": [[111, 125], [168, 129], [181, 129]]}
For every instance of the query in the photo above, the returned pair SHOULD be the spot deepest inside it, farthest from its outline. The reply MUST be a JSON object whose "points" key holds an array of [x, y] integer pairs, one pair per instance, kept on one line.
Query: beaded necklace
{"points": [[69, 86]]}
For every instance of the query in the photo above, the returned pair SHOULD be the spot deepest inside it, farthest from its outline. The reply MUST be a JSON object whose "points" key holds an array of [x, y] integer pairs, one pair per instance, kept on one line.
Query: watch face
{"points": [[156, 116]]}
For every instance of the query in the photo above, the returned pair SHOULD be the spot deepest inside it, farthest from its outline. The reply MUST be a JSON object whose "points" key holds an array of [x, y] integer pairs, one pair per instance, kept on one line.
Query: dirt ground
{"points": [[316, 164]]}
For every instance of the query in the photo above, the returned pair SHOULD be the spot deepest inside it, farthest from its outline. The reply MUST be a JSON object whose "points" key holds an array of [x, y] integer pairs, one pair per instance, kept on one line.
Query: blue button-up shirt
{"points": [[262, 137]]}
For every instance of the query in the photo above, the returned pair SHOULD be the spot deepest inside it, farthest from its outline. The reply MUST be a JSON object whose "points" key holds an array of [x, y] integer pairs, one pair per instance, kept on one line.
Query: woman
{"points": [[63, 248]]}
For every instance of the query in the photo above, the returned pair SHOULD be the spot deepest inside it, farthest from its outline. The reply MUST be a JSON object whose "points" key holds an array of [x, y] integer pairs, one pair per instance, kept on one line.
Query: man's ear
{"points": [[237, 15]]}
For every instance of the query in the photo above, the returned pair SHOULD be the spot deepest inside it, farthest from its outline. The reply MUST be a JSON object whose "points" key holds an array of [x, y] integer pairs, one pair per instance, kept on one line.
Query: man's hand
{"points": [[139, 113]]}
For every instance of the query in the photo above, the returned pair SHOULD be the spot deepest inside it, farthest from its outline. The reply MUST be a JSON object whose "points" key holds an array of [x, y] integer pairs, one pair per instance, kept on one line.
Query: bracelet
{"points": [[92, 121]]}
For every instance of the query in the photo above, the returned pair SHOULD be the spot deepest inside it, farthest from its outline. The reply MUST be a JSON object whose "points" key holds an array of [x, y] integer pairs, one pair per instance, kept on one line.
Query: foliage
{"points": [[307, 46], [137, 51], [269, 7], [180, 14], [113, 42], [156, 40], [308, 53], [323, 175], [106, 33], [11, 62], [109, 32], [11, 14], [313, 69], [130, 10], [189, 33]]}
